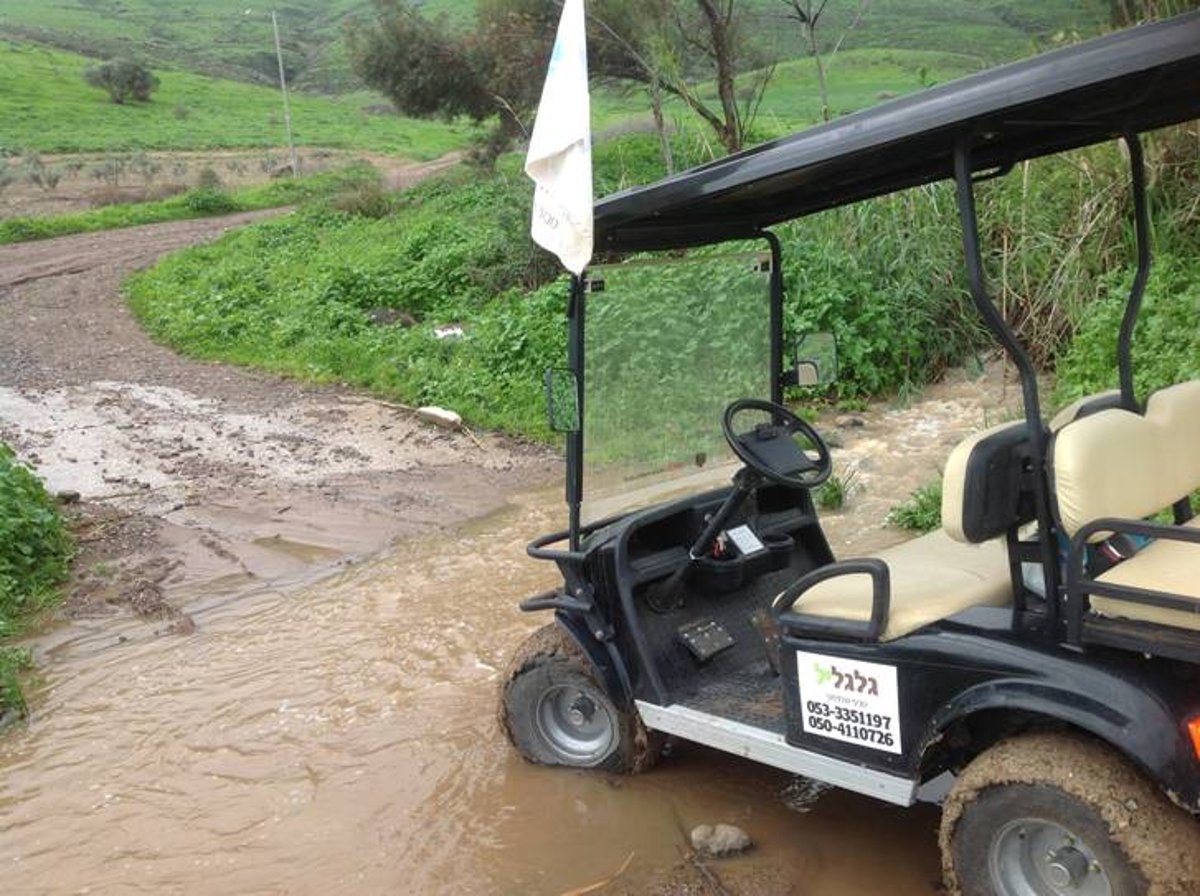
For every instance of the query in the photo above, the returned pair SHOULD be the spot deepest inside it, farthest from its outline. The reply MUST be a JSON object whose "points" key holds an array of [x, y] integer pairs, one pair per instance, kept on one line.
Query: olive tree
{"points": [[123, 80]]}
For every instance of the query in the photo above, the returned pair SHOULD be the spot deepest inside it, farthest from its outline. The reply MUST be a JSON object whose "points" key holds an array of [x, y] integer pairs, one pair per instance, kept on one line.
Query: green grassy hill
{"points": [[232, 38], [898, 46], [992, 31], [223, 38], [228, 38], [46, 106]]}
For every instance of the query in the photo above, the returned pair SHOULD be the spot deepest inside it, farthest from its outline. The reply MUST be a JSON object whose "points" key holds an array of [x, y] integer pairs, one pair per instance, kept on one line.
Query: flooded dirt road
{"points": [[325, 722], [341, 739]]}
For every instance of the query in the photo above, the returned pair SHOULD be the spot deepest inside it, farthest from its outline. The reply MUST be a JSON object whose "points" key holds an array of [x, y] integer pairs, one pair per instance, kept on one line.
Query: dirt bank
{"points": [[93, 179], [201, 477]]}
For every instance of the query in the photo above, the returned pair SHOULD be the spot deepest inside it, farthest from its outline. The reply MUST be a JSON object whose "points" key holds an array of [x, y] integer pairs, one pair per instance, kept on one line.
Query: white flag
{"points": [[560, 150]]}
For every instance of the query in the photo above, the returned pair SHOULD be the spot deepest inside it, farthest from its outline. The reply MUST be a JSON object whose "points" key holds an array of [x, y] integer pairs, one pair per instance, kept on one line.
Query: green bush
{"points": [[207, 201], [922, 512], [300, 295], [35, 546], [35, 553], [13, 661], [1166, 342]]}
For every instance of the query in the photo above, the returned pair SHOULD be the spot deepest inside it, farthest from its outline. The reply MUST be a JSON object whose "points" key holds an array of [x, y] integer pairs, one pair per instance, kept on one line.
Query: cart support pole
{"points": [[776, 317], [575, 317], [1038, 435], [1141, 221]]}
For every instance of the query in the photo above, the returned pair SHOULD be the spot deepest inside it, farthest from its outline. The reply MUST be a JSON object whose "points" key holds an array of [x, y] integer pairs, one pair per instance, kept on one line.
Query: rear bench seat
{"points": [[938, 575], [1116, 463]]}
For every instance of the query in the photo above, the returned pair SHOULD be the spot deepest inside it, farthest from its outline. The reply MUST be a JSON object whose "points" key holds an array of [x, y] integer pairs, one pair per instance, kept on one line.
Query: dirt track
{"points": [[209, 477]]}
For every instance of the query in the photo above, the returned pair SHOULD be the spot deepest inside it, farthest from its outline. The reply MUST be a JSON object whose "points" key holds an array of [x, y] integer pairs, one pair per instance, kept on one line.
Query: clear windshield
{"points": [[668, 344]]}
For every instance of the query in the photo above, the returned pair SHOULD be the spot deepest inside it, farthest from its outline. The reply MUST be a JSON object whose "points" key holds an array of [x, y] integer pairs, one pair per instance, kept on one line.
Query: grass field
{"points": [[46, 106], [232, 38]]}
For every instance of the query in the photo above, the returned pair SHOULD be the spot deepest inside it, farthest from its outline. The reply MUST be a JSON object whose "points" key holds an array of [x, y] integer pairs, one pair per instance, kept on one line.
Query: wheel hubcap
{"points": [[1035, 857], [578, 726]]}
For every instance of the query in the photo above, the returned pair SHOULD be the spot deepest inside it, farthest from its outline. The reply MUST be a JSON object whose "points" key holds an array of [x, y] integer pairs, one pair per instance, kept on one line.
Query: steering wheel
{"points": [[771, 450]]}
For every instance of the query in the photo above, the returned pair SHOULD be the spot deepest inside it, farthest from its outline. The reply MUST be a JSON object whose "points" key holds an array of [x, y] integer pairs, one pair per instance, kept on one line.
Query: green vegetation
{"points": [[884, 276], [296, 295], [35, 551], [227, 38], [1166, 343], [833, 492], [198, 203], [45, 106], [122, 80], [922, 512]]}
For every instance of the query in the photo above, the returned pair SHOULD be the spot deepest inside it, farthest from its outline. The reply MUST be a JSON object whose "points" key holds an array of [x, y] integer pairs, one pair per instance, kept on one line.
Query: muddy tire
{"points": [[1061, 815], [555, 711]]}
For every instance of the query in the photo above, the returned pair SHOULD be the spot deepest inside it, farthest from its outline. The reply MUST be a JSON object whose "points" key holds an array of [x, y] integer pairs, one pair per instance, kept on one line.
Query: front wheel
{"points": [[555, 712], [1055, 815]]}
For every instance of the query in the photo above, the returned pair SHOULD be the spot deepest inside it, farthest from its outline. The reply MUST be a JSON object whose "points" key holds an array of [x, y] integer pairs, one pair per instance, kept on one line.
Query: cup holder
{"points": [[721, 574], [780, 546]]}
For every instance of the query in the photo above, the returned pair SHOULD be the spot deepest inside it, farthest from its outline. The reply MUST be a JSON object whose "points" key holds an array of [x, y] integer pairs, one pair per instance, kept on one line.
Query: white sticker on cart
{"points": [[849, 700]]}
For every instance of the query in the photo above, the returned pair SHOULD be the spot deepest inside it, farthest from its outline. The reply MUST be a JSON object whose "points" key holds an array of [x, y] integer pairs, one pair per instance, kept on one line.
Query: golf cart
{"points": [[1055, 696]]}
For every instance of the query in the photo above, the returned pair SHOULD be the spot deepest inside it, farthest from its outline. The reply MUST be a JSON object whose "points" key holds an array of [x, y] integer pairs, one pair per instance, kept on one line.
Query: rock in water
{"points": [[720, 840]]}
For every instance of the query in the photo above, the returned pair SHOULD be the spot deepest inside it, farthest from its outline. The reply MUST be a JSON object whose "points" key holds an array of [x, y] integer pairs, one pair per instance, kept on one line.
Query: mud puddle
{"points": [[341, 739], [339, 736]]}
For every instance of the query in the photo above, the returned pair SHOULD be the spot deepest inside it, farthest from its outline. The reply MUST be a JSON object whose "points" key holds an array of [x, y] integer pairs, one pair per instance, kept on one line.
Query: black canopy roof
{"points": [[1132, 81]]}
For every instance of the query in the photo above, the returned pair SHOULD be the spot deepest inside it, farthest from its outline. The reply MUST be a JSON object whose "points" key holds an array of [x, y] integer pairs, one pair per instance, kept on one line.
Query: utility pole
{"points": [[287, 109]]}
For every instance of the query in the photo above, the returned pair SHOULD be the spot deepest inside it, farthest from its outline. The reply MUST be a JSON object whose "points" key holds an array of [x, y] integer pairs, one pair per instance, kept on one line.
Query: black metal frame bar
{"points": [[1039, 436], [776, 316], [809, 625], [1141, 220], [1079, 585], [576, 307]]}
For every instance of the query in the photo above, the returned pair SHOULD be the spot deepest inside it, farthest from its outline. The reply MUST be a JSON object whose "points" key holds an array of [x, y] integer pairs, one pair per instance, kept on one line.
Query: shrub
{"points": [[208, 179], [206, 201], [13, 661], [367, 200], [922, 512], [1166, 342], [35, 547], [123, 80]]}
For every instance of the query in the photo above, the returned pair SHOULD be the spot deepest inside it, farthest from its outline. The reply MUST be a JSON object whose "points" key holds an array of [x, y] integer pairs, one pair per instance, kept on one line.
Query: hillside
{"points": [[46, 106], [232, 38]]}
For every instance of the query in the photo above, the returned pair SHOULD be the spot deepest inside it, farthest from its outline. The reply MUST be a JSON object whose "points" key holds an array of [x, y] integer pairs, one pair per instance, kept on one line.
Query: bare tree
{"points": [[809, 18], [673, 47]]}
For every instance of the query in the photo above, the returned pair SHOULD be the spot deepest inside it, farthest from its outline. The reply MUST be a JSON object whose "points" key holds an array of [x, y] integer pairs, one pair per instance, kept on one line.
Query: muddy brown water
{"points": [[340, 738]]}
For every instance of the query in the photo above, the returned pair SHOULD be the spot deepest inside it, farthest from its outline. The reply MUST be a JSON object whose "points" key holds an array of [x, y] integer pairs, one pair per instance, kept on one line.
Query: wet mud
{"points": [[310, 706], [341, 738]]}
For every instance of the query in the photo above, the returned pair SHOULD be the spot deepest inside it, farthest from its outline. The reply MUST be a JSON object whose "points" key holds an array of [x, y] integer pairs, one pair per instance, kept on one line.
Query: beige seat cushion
{"points": [[933, 577], [1163, 565]]}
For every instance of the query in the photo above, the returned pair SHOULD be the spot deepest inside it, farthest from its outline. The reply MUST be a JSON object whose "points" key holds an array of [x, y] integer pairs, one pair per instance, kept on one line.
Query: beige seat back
{"points": [[1116, 463], [1085, 406]]}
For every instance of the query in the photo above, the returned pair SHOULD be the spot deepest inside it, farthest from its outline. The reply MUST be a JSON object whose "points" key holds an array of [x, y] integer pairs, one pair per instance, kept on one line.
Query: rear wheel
{"points": [[1055, 815], [555, 711]]}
